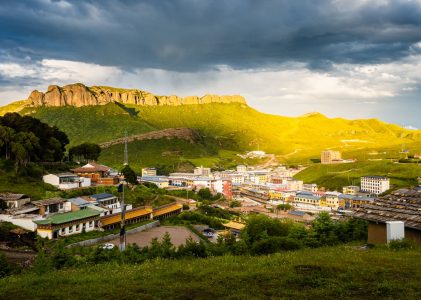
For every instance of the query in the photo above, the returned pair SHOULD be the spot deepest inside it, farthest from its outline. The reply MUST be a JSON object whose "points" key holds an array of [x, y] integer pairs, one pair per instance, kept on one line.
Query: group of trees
{"points": [[25, 139], [262, 235], [265, 235], [84, 152]]}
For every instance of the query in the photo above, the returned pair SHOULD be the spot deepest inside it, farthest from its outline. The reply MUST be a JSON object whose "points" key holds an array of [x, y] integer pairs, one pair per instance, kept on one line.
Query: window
{"points": [[77, 227]]}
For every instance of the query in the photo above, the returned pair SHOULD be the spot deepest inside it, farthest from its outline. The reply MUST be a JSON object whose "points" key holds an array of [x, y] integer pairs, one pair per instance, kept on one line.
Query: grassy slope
{"points": [[338, 175], [91, 123], [324, 273], [174, 154], [11, 182], [12, 107], [236, 122], [228, 127]]}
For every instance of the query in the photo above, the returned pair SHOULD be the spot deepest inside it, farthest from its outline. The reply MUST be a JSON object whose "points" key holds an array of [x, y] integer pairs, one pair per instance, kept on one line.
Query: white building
{"points": [[241, 168], [66, 181], [375, 184], [148, 172], [351, 189], [310, 187], [201, 171]]}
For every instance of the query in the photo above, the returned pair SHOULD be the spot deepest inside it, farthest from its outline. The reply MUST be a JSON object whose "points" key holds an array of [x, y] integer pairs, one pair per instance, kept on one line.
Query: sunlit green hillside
{"points": [[335, 176], [232, 127]]}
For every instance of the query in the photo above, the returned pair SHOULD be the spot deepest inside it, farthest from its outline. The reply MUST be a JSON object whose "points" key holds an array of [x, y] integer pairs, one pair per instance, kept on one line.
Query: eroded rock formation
{"points": [[81, 95]]}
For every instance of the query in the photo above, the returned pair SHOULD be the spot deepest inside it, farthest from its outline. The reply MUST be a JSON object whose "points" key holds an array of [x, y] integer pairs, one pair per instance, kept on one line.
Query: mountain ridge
{"points": [[79, 95]]}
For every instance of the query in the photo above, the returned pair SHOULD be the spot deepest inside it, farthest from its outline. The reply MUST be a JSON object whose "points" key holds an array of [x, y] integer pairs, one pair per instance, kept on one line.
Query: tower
{"points": [[126, 154]]}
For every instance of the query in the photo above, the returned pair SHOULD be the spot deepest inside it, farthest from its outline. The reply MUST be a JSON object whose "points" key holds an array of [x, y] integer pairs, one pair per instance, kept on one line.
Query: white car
{"points": [[108, 246]]}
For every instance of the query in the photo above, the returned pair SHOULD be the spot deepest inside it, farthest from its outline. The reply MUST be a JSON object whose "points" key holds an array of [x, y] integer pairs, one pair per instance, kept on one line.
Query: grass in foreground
{"points": [[325, 273]]}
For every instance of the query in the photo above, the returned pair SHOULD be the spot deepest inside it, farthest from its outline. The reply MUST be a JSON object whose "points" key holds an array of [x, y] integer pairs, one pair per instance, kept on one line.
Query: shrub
{"points": [[403, 244]]}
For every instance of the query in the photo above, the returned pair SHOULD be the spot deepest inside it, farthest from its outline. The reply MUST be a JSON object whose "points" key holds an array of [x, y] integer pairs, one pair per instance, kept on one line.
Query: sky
{"points": [[351, 59]]}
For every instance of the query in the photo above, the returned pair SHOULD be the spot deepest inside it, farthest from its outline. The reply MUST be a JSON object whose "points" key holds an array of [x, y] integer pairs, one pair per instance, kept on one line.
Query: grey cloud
{"points": [[188, 35]]}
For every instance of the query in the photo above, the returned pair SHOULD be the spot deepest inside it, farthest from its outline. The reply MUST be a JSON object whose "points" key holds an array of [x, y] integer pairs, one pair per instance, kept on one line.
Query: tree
{"points": [[129, 174], [205, 194], [324, 229], [6, 135], [85, 152]]}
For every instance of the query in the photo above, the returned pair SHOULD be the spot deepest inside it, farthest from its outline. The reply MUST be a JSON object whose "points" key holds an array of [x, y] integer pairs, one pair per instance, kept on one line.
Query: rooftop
{"points": [[375, 177], [92, 167], [55, 200], [401, 205], [102, 196], [79, 201], [62, 218], [12, 197]]}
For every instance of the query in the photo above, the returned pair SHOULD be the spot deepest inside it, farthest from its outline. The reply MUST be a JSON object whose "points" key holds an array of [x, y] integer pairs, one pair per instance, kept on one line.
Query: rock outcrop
{"points": [[81, 95]]}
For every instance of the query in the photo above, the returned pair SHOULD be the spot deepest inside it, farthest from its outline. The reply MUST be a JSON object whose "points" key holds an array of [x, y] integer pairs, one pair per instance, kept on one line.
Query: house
{"points": [[350, 189], [330, 157], [79, 203], [64, 224], [52, 205], [310, 187], [160, 181], [403, 205], [12, 201], [166, 211], [201, 171], [307, 198], [108, 201], [148, 172], [98, 174], [66, 181], [241, 168], [375, 184], [234, 227]]}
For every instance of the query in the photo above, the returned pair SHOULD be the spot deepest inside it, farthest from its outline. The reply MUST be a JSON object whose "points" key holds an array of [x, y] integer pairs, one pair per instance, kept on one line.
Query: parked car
{"points": [[108, 246]]}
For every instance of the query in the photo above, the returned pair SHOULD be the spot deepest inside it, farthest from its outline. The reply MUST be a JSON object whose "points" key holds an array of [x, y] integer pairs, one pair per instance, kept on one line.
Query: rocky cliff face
{"points": [[81, 95]]}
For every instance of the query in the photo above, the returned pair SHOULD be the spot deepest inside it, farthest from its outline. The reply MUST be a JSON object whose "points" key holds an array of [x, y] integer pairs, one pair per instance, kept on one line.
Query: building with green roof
{"points": [[63, 224]]}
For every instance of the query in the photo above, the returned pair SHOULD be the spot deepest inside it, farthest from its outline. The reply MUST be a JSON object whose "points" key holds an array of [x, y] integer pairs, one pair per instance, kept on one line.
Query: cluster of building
{"points": [[273, 186], [333, 157], [57, 217], [85, 176]]}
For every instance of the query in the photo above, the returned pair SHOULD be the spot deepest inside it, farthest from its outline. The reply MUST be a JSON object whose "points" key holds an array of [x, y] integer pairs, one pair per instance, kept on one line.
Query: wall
{"points": [[114, 236], [414, 235], [25, 223], [377, 233]]}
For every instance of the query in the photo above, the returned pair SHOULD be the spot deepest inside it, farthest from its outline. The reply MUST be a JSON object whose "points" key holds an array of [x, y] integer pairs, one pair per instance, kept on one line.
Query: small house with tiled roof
{"points": [[98, 174]]}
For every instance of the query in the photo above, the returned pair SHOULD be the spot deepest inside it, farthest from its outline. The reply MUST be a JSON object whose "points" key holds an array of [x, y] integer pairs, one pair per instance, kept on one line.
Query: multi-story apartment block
{"points": [[310, 187], [350, 189], [148, 172], [241, 168], [375, 184], [201, 171], [330, 157]]}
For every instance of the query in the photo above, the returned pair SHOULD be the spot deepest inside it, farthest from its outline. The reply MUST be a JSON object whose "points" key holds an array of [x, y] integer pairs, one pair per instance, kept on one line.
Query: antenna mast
{"points": [[126, 154]]}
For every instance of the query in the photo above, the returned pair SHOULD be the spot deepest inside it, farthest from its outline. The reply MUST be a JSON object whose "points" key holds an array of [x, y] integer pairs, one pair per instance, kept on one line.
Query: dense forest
{"points": [[25, 139]]}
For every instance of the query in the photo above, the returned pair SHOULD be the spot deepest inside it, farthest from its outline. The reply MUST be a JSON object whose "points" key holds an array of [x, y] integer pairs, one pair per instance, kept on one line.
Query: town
{"points": [[272, 192]]}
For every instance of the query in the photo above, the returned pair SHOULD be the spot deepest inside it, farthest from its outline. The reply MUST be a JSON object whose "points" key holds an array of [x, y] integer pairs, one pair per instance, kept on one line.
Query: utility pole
{"points": [[123, 218], [126, 154]]}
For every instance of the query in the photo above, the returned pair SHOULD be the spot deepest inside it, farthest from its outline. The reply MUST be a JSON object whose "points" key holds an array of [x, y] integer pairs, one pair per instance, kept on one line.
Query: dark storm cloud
{"points": [[193, 34]]}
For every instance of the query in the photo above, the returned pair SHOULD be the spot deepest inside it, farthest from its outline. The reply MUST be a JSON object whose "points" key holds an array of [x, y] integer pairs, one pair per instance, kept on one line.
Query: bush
{"points": [[403, 244], [5, 268], [275, 244]]}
